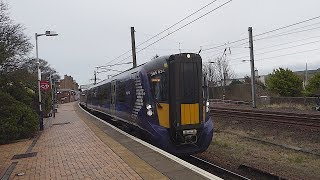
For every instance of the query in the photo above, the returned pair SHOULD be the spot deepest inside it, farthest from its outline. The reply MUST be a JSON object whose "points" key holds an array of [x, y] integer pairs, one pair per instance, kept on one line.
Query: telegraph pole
{"points": [[306, 77], [95, 77], [133, 42], [253, 85], [52, 96]]}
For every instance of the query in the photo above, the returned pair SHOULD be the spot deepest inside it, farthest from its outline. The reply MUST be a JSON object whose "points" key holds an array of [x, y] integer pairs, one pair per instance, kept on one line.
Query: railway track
{"points": [[246, 171], [301, 119], [219, 171], [214, 169]]}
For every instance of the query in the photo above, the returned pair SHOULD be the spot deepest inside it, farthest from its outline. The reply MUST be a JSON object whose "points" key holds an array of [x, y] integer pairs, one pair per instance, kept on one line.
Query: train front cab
{"points": [[182, 105]]}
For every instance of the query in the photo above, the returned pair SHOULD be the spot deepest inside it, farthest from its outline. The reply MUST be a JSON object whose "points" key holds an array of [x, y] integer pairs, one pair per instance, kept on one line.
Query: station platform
{"points": [[76, 145]]}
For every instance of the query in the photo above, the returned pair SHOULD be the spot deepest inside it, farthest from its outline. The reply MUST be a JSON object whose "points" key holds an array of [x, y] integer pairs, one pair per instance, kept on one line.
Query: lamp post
{"points": [[47, 33]]}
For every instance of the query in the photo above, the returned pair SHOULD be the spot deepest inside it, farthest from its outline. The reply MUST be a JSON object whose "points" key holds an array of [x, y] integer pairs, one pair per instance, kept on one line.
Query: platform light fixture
{"points": [[47, 33]]}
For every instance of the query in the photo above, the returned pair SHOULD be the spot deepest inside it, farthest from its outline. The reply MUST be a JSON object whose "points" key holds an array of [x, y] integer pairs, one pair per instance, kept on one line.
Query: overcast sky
{"points": [[94, 32]]}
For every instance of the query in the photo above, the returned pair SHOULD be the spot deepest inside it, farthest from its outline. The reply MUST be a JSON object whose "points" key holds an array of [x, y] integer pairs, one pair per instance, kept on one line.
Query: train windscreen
{"points": [[160, 87]]}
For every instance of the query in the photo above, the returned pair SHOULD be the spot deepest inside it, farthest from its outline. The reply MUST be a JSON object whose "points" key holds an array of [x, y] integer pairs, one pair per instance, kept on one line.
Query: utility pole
{"points": [[95, 78], [306, 77], [133, 42], [52, 96], [253, 85]]}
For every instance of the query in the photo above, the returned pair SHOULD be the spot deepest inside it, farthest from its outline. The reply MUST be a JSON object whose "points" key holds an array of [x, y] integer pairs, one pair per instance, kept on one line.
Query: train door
{"points": [[113, 97], [185, 96]]}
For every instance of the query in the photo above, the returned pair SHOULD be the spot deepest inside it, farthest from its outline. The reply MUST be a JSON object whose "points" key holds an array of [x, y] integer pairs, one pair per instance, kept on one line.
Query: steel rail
{"points": [[222, 172], [271, 116]]}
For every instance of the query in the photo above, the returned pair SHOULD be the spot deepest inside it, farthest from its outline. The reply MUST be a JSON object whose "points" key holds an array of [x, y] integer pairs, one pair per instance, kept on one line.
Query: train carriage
{"points": [[166, 98]]}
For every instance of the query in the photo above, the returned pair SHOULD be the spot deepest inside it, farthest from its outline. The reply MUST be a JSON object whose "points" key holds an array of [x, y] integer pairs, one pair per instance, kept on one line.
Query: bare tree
{"points": [[218, 71], [31, 65], [14, 44]]}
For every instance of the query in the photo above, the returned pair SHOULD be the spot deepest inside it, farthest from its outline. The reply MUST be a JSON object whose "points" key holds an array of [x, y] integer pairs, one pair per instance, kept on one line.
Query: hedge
{"points": [[17, 120]]}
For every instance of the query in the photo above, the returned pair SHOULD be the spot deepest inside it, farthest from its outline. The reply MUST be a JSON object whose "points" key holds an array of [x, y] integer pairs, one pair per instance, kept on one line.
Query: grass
{"points": [[288, 106], [220, 143], [296, 159]]}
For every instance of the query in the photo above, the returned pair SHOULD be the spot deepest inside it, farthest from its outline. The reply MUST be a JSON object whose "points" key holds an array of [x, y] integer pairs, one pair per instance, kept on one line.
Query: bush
{"points": [[17, 120], [313, 87], [285, 83]]}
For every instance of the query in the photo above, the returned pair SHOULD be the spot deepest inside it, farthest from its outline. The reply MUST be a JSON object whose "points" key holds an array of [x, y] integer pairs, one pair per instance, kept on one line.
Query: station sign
{"points": [[44, 85]]}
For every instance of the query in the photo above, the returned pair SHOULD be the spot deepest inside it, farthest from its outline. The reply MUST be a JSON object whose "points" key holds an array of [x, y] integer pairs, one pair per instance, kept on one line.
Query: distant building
{"points": [[85, 87], [68, 83], [67, 95], [67, 90]]}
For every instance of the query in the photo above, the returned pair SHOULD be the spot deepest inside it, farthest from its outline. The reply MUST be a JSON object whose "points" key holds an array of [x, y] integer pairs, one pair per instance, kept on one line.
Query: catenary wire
{"points": [[267, 32], [170, 33], [177, 23], [285, 34], [282, 55], [280, 49], [203, 7], [287, 26]]}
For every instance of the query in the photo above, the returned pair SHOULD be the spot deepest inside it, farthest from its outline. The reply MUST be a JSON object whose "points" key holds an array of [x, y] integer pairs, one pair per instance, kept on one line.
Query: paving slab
{"points": [[166, 166], [75, 145], [71, 150]]}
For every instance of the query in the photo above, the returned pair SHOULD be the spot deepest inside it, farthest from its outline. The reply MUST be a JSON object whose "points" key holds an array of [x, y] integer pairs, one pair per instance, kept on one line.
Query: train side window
{"points": [[108, 93], [121, 92]]}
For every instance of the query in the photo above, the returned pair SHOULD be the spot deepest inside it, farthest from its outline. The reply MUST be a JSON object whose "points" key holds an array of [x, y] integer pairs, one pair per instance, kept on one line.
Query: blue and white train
{"points": [[166, 98]]}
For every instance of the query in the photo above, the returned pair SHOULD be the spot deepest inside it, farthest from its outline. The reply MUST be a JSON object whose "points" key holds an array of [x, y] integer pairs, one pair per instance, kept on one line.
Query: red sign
{"points": [[44, 85]]}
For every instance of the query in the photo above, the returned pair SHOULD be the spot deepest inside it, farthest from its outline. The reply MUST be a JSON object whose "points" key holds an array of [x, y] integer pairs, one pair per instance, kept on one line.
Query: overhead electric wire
{"points": [[271, 46], [115, 64], [289, 54], [268, 37], [287, 26], [290, 47], [300, 52], [267, 32], [170, 33], [203, 7], [275, 45], [302, 27], [220, 6], [177, 23], [222, 48], [285, 34], [223, 45]]}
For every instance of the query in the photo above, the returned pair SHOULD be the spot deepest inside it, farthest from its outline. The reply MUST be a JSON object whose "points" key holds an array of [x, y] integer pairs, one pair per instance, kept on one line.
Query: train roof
{"points": [[148, 66]]}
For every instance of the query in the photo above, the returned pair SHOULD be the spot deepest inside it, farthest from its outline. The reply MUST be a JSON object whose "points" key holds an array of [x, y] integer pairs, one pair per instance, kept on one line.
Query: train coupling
{"points": [[190, 136]]}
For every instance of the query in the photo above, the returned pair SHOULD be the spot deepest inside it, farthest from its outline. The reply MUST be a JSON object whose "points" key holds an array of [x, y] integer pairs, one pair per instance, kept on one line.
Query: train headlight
{"points": [[207, 106], [149, 112]]}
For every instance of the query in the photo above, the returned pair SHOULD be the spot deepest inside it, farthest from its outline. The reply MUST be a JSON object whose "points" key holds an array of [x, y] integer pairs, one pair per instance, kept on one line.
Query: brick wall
{"points": [[237, 92], [68, 83]]}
